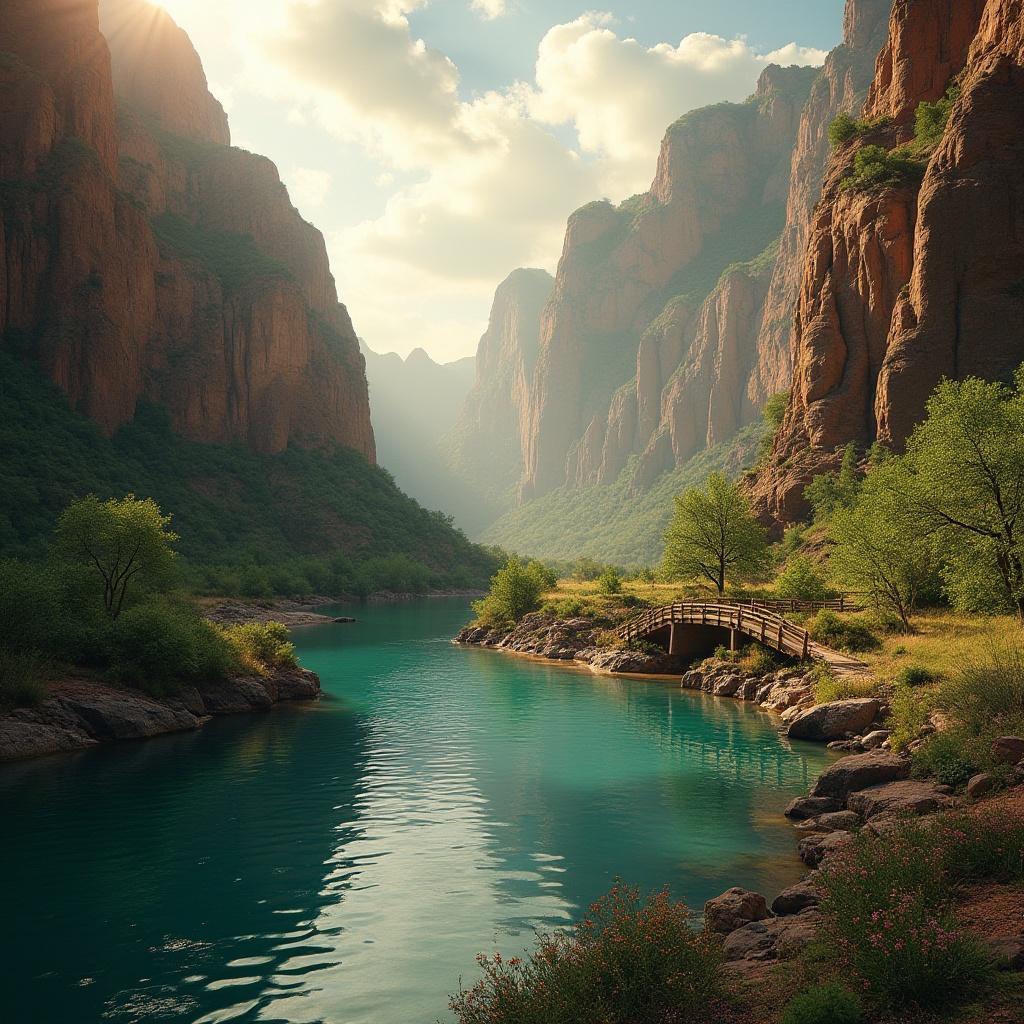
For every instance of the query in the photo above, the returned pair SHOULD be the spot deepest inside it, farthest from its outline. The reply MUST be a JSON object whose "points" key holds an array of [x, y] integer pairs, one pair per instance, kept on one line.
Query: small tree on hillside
{"points": [[515, 591], [125, 542], [713, 536]]}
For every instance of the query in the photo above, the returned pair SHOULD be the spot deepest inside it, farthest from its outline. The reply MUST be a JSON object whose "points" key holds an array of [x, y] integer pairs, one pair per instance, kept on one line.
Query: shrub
{"points": [[515, 591], [915, 675], [260, 647], [22, 678], [823, 1004], [801, 579], [876, 167], [978, 695], [842, 634], [610, 582], [908, 715], [841, 130], [828, 687], [545, 574], [930, 119], [947, 756], [629, 962]]}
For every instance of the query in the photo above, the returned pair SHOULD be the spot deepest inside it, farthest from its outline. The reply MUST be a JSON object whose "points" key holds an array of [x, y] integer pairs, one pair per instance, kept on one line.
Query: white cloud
{"points": [[308, 187], [490, 9], [492, 182]]}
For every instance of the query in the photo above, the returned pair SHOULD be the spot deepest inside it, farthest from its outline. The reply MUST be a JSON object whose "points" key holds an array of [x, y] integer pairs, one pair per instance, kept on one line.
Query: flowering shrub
{"points": [[630, 961], [985, 844]]}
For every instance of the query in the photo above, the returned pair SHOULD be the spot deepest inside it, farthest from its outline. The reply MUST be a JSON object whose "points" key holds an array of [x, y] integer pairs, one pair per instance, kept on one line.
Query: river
{"points": [[344, 862]]}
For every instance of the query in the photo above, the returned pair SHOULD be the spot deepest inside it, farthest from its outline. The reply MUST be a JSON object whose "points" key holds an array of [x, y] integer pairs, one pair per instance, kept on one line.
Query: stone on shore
{"points": [[804, 807], [768, 940], [815, 848], [980, 785], [733, 909], [1008, 749], [1007, 951], [796, 899], [837, 821], [892, 798], [234, 696], [835, 721], [859, 771], [127, 716]]}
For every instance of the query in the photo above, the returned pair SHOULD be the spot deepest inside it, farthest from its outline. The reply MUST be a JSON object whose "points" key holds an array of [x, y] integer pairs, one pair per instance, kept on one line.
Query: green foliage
{"points": [[629, 961], [714, 536], [844, 128], [916, 675], [842, 634], [980, 694], [233, 257], [547, 576], [610, 582], [824, 1004], [801, 579], [321, 521], [125, 542], [876, 167], [909, 712], [967, 466], [261, 647], [515, 591], [586, 569], [951, 756], [829, 492], [930, 119], [774, 412], [22, 678], [829, 687]]}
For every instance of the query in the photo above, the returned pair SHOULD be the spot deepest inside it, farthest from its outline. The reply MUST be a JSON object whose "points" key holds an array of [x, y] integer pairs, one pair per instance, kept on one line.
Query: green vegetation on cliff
{"points": [[323, 521]]}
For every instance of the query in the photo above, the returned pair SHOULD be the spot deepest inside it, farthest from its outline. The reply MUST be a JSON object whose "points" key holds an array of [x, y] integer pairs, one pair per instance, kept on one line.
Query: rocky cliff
{"points": [[141, 255], [907, 282]]}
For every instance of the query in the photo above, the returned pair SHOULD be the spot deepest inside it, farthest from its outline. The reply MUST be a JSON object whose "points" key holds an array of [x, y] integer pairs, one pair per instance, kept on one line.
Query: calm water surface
{"points": [[344, 862]]}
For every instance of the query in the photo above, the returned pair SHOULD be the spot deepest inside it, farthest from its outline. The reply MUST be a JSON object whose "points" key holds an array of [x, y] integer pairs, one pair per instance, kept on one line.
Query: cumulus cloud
{"points": [[493, 177]]}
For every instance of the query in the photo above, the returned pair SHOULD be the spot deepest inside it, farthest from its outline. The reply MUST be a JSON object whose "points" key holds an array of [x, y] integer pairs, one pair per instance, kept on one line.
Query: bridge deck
{"points": [[758, 623]]}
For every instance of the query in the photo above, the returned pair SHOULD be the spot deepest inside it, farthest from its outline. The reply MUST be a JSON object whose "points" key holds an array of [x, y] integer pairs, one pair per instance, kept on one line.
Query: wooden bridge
{"points": [[696, 627]]}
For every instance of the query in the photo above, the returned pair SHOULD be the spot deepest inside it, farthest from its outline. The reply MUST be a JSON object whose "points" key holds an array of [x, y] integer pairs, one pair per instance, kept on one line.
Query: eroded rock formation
{"points": [[140, 255]]}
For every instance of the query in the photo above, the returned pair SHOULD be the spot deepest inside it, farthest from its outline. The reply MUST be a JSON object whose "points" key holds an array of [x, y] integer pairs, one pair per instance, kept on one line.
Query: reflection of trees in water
{"points": [[196, 856]]}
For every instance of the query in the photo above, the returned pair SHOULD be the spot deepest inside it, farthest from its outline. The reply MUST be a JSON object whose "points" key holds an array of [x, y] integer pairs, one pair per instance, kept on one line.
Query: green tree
{"points": [[124, 542], [841, 130], [713, 535], [610, 582], [515, 591], [774, 412], [801, 579], [830, 491], [544, 573], [967, 459], [880, 547]]}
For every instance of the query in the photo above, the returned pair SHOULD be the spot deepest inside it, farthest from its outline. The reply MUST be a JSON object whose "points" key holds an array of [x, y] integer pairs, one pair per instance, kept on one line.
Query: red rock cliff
{"points": [[141, 255], [905, 285]]}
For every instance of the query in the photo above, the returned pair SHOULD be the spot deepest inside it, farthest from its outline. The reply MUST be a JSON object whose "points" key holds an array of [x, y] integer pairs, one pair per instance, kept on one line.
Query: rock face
{"points": [[140, 255], [893, 798], [903, 286]]}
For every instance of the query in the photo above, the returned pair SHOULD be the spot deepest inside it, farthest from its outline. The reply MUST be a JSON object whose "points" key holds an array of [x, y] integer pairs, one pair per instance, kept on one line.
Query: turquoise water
{"points": [[344, 862]]}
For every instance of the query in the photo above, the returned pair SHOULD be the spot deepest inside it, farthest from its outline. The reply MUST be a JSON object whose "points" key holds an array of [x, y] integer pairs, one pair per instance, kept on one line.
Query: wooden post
{"points": [[841, 602], [807, 638]]}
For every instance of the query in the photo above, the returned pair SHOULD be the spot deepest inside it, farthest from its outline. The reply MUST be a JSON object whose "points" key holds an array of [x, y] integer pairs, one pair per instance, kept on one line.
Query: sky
{"points": [[440, 144]]}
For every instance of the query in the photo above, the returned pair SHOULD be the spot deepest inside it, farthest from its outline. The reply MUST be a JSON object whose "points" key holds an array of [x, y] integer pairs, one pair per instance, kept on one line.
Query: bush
{"points": [[823, 1004], [801, 579], [261, 647], [948, 757], [981, 694], [916, 675], [629, 962], [842, 130], [515, 591], [22, 678], [610, 582], [908, 715], [930, 119], [876, 167], [842, 634]]}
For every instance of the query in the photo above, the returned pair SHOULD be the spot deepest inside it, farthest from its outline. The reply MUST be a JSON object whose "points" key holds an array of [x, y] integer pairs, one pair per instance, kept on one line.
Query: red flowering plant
{"points": [[630, 961]]}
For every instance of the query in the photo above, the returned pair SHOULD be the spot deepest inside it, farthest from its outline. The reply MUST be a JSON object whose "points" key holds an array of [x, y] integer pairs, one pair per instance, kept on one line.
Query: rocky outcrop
{"points": [[485, 446], [83, 713], [910, 796], [851, 774], [836, 720], [905, 285], [140, 255], [733, 909]]}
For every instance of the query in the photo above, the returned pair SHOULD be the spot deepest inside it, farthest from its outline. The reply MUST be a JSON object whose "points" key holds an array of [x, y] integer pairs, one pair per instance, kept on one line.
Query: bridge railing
{"points": [[758, 623], [843, 603]]}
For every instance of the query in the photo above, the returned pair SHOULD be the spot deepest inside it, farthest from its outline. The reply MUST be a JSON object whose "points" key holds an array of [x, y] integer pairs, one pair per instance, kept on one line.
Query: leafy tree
{"points": [[713, 535], [515, 591], [930, 119], [774, 412], [830, 491], [967, 459], [880, 547], [547, 576], [841, 130], [801, 579], [126, 543], [587, 569], [610, 582]]}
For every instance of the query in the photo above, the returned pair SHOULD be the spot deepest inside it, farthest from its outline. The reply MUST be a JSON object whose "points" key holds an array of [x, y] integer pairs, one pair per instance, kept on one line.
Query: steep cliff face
{"points": [[141, 255], [485, 445], [718, 197], [906, 284]]}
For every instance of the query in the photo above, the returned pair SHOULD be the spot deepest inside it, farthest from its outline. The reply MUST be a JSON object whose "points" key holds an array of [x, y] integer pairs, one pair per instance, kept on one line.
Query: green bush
{"points": [[948, 757], [630, 961], [23, 677], [828, 687], [851, 635], [842, 130], [610, 582], [823, 1004], [916, 675], [978, 695], [876, 167], [801, 579], [930, 119], [515, 591], [908, 714], [261, 647]]}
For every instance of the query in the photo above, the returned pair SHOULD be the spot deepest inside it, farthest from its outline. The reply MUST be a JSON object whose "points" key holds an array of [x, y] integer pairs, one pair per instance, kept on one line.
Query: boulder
{"points": [[980, 785], [234, 696], [859, 771], [836, 821], [796, 899], [767, 940], [814, 849], [835, 720], [874, 739], [112, 715], [692, 680], [804, 807], [296, 684], [1007, 951], [727, 686], [1008, 749], [905, 797], [733, 909]]}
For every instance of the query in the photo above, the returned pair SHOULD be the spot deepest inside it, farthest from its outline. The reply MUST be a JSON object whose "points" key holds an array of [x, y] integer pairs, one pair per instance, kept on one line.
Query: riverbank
{"points": [[81, 711]]}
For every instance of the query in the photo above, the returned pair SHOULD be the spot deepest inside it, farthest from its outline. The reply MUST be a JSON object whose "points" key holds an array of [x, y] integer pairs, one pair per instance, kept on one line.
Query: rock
{"points": [[234, 696], [796, 899], [980, 785], [733, 909], [294, 684], [814, 849], [692, 680], [344, 618], [113, 715], [858, 772], [834, 822], [905, 797], [1008, 749], [835, 720], [727, 686], [874, 739], [47, 729], [847, 746], [804, 807], [1007, 951], [767, 940]]}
